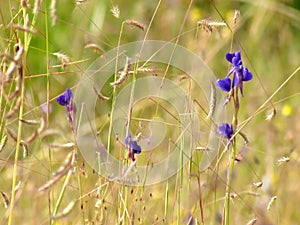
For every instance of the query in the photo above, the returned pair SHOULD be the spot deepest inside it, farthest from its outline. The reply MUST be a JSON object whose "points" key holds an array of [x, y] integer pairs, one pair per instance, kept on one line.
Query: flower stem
{"points": [[232, 157]]}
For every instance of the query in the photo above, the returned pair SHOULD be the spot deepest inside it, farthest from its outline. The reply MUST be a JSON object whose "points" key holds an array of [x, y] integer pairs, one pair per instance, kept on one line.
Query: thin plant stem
{"points": [[14, 176], [48, 103], [61, 194], [232, 157], [114, 92]]}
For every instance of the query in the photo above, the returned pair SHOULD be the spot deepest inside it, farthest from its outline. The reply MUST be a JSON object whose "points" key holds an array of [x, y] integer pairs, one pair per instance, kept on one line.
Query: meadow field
{"points": [[149, 112]]}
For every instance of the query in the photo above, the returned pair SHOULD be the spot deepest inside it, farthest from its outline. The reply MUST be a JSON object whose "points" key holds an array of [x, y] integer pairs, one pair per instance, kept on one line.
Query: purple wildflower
{"points": [[133, 147], [240, 73], [66, 99], [225, 130]]}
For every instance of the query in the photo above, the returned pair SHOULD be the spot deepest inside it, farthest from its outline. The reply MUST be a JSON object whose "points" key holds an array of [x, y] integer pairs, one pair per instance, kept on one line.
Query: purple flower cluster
{"points": [[133, 147], [66, 99], [240, 74]]}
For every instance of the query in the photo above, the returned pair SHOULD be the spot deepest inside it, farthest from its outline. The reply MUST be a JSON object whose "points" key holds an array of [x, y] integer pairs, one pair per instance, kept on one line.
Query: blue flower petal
{"points": [[136, 148], [225, 130], [65, 98], [246, 74], [229, 56], [69, 94], [132, 145], [224, 85]]}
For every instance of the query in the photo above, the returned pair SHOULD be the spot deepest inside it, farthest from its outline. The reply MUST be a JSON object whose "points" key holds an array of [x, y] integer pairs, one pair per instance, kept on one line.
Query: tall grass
{"points": [[46, 46]]}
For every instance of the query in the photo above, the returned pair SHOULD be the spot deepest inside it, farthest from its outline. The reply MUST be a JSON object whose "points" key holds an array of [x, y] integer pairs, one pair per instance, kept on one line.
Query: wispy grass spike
{"points": [[212, 100], [37, 6], [53, 12], [123, 74], [115, 11], [95, 46], [135, 23]]}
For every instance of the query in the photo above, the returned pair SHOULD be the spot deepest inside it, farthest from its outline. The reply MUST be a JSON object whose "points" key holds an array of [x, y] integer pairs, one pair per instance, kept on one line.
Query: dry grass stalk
{"points": [[42, 125], [14, 110], [32, 137], [22, 28], [18, 87], [135, 23], [49, 132], [11, 133], [60, 173], [100, 95], [3, 142], [65, 211]]}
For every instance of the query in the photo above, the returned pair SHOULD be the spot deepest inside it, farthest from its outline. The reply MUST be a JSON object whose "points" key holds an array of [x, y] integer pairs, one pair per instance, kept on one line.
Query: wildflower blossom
{"points": [[133, 147], [225, 130], [66, 99], [240, 74]]}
